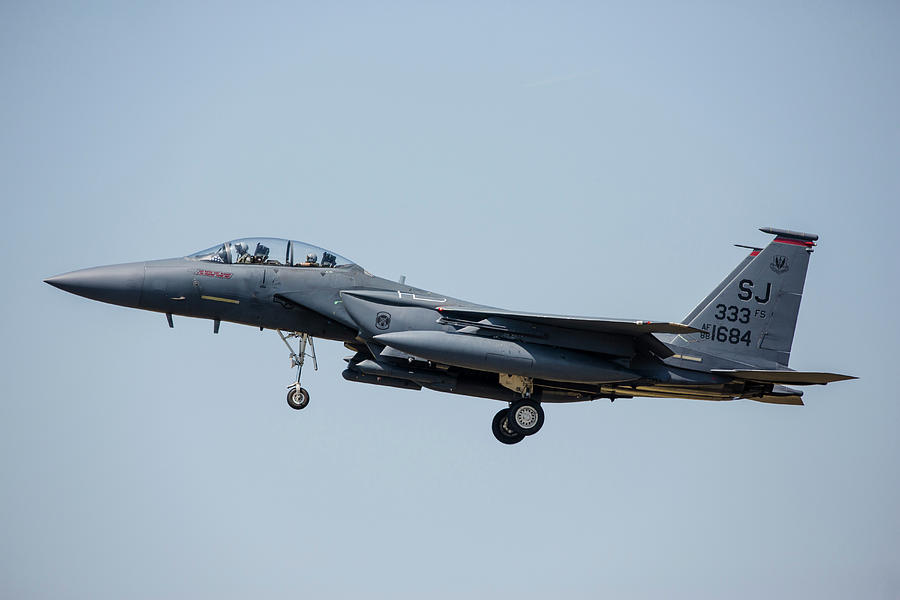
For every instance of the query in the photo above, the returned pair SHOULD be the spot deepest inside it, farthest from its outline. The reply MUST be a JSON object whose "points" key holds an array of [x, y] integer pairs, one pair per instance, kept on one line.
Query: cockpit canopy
{"points": [[271, 251]]}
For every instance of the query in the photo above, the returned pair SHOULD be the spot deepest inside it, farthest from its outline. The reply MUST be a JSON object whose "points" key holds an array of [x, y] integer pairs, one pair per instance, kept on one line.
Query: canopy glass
{"points": [[271, 251]]}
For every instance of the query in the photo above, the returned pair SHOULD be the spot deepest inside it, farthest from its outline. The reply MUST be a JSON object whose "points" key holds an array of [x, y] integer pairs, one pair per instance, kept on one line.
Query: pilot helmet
{"points": [[241, 248], [312, 257]]}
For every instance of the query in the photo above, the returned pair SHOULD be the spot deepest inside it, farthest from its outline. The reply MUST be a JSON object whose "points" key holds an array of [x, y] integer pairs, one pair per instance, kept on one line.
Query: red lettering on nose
{"points": [[219, 274]]}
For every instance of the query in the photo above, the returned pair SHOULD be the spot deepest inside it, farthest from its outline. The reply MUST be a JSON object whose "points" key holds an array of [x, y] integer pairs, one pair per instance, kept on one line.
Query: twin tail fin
{"points": [[751, 315]]}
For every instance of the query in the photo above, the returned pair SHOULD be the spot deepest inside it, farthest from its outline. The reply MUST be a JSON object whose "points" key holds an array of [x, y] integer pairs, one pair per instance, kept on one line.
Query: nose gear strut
{"points": [[298, 397]]}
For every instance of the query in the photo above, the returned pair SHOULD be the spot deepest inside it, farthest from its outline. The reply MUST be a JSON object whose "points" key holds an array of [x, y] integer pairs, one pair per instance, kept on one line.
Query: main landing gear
{"points": [[523, 417], [298, 397]]}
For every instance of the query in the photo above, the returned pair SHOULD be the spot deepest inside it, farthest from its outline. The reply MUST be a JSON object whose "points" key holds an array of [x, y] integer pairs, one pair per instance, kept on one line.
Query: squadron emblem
{"points": [[383, 320], [779, 264]]}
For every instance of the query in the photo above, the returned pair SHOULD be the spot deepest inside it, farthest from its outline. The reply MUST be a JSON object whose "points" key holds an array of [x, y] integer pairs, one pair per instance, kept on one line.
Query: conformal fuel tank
{"points": [[504, 356]]}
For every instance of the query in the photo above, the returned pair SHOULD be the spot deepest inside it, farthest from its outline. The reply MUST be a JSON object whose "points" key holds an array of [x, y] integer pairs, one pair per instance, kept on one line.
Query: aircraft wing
{"points": [[614, 326], [784, 377]]}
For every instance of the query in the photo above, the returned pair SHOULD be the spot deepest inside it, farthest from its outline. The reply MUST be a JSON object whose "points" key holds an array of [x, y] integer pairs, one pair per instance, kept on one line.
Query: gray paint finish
{"points": [[735, 344]]}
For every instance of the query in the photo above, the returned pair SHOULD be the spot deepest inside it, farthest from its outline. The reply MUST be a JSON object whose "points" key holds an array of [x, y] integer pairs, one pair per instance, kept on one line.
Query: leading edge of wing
{"points": [[784, 377], [623, 327]]}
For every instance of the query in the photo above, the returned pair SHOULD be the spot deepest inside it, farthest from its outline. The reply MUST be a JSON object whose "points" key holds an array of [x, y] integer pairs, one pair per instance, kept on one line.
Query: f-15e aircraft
{"points": [[735, 344]]}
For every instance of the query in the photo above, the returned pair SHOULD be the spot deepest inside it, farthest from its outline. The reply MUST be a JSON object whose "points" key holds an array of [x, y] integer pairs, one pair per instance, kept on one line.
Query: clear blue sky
{"points": [[562, 157]]}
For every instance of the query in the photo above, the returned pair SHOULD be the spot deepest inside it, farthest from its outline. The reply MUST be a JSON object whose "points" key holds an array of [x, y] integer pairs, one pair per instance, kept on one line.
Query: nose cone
{"points": [[115, 284]]}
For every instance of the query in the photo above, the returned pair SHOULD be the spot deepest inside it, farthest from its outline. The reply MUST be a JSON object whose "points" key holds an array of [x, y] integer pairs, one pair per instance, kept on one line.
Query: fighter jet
{"points": [[735, 344]]}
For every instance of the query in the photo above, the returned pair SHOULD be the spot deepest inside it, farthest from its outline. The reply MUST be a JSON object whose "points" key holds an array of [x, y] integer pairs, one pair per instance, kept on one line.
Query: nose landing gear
{"points": [[298, 397]]}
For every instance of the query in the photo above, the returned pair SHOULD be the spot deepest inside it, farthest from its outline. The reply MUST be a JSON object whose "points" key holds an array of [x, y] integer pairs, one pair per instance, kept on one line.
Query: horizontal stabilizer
{"points": [[784, 377], [788, 400], [580, 323]]}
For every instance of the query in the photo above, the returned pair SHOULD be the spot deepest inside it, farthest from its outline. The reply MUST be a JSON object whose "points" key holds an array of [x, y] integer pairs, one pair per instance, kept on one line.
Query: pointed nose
{"points": [[115, 284]]}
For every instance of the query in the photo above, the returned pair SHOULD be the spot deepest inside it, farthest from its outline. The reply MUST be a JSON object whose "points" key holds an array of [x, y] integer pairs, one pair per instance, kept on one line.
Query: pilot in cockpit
{"points": [[243, 256], [312, 260]]}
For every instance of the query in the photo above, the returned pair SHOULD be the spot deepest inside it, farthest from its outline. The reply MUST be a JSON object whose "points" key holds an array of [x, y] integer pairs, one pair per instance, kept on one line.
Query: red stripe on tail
{"points": [[782, 240]]}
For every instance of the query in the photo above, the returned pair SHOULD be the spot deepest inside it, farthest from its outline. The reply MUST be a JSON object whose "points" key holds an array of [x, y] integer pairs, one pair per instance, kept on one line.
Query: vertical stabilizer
{"points": [[752, 314]]}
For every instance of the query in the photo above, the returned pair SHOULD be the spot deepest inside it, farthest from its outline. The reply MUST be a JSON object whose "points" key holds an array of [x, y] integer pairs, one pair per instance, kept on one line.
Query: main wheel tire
{"points": [[297, 398], [526, 417], [502, 431]]}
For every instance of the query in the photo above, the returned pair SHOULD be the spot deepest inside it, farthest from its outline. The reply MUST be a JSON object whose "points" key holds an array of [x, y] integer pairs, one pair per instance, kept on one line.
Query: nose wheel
{"points": [[297, 396]]}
